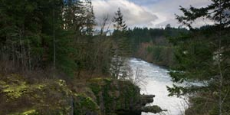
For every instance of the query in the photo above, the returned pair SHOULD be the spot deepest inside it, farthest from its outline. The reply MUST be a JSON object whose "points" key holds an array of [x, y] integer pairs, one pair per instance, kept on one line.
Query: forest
{"points": [[55, 59]]}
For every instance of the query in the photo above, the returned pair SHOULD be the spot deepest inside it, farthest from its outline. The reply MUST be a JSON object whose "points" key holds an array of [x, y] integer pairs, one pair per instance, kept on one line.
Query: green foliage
{"points": [[201, 57], [33, 98], [153, 45], [57, 35], [137, 36], [114, 95], [85, 105], [29, 112], [48, 34], [119, 22], [121, 47], [15, 87], [197, 62]]}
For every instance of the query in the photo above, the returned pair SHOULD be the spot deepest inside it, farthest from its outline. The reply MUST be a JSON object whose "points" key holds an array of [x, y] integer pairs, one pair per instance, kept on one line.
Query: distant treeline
{"points": [[153, 44]]}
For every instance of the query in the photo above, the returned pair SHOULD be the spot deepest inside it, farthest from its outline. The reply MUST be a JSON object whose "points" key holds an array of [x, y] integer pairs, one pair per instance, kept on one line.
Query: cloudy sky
{"points": [[146, 13]]}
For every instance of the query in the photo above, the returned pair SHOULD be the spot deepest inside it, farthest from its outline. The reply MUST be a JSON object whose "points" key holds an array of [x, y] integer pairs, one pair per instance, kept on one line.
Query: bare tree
{"points": [[104, 24]]}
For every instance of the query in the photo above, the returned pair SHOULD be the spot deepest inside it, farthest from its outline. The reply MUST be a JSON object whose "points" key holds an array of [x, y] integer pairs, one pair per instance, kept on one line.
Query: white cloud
{"points": [[157, 13], [166, 10], [134, 15]]}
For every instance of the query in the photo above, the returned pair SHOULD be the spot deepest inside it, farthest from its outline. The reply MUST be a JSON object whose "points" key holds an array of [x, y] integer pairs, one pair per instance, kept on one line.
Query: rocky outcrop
{"points": [[120, 97], [47, 97], [114, 95], [101, 96], [152, 109], [145, 99]]}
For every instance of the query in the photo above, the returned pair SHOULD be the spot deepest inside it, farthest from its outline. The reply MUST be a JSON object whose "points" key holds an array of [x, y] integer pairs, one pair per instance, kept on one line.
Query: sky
{"points": [[147, 13]]}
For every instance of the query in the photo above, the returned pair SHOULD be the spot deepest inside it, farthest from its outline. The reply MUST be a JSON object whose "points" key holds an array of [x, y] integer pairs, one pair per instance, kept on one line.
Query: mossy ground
{"points": [[99, 96], [49, 97]]}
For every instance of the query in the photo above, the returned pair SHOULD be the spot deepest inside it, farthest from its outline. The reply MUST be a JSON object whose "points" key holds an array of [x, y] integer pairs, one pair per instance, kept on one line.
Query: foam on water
{"points": [[155, 80]]}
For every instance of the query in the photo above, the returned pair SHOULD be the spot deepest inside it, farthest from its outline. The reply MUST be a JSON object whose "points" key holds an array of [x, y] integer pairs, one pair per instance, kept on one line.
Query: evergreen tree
{"points": [[119, 23], [35, 35], [121, 46], [202, 56]]}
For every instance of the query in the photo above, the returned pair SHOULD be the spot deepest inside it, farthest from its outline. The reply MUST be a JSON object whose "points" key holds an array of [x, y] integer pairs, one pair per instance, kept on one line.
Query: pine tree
{"points": [[202, 56], [119, 23], [121, 46], [35, 35]]}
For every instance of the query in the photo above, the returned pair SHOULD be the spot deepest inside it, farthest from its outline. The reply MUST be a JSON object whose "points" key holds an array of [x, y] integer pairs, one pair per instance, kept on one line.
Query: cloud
{"points": [[144, 2], [147, 13], [134, 15], [166, 10]]}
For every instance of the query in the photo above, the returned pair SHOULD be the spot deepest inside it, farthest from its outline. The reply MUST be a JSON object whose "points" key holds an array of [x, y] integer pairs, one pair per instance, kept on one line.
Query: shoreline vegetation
{"points": [[51, 57], [97, 96], [55, 59]]}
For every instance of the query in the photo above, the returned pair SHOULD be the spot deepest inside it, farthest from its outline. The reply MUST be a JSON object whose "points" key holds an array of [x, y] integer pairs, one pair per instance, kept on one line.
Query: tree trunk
{"points": [[219, 63]]}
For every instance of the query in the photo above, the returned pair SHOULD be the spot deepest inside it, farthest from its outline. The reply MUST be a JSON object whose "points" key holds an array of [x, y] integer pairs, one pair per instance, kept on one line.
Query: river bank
{"points": [[97, 96]]}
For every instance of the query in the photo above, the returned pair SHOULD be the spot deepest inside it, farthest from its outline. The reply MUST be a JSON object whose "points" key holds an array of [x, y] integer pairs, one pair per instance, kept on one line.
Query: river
{"points": [[153, 79]]}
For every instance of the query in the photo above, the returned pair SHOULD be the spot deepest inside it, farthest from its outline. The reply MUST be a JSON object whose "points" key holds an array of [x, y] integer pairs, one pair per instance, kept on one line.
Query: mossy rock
{"points": [[47, 97], [20, 97], [114, 95], [84, 105], [152, 109], [27, 112]]}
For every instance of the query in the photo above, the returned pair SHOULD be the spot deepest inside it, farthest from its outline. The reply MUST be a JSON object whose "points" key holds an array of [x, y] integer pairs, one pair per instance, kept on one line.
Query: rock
{"points": [[125, 112], [101, 96], [84, 105], [145, 99], [115, 95], [152, 109], [46, 97]]}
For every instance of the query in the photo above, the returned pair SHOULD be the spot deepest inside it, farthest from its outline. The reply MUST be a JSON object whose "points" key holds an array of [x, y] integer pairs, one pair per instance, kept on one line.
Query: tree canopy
{"points": [[203, 57]]}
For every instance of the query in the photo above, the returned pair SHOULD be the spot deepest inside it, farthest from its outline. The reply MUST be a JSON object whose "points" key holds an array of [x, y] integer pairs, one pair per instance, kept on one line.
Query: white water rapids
{"points": [[153, 80]]}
